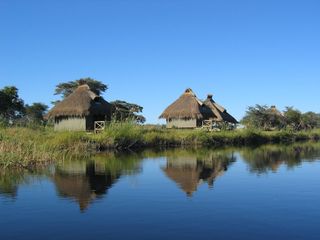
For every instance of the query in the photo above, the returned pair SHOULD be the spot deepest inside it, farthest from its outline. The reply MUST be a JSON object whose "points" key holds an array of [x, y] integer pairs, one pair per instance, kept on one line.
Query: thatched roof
{"points": [[186, 106], [189, 106], [82, 102], [214, 111]]}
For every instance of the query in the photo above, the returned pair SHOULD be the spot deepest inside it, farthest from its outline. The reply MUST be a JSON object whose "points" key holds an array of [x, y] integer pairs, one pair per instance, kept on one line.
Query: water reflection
{"points": [[83, 187], [84, 181], [12, 179], [189, 169], [9, 182], [269, 158]]}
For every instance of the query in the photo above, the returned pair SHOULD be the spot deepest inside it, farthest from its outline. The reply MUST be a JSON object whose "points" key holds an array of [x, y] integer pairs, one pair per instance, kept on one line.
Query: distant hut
{"points": [[185, 112], [80, 110], [189, 112], [213, 111]]}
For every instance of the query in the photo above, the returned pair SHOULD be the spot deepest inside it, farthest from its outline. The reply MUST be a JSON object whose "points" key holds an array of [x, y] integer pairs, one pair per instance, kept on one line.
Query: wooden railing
{"points": [[207, 124], [99, 126]]}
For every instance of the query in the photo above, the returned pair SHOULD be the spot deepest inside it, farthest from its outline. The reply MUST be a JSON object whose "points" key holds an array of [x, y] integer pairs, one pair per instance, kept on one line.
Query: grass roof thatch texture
{"points": [[186, 106], [82, 102], [216, 112]]}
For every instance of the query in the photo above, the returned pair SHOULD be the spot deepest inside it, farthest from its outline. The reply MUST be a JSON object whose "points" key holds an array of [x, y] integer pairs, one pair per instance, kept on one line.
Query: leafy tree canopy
{"points": [[268, 118], [35, 112], [311, 120], [263, 117], [67, 88], [11, 105], [293, 118], [122, 111]]}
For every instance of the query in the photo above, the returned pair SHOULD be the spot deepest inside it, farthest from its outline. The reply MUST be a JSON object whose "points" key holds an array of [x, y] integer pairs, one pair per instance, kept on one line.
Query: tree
{"points": [[310, 120], [263, 117], [35, 112], [11, 105], [122, 111], [293, 118], [266, 118], [65, 89]]}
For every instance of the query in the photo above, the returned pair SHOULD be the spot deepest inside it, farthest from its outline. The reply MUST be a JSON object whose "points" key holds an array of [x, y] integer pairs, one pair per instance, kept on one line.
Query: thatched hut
{"points": [[185, 112], [189, 112], [80, 110], [213, 111]]}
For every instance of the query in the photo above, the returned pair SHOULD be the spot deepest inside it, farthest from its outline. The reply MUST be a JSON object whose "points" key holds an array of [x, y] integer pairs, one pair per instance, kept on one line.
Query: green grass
{"points": [[26, 147]]}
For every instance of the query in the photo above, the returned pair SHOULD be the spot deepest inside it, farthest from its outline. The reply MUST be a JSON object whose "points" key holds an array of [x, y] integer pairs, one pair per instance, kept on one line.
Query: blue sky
{"points": [[149, 51]]}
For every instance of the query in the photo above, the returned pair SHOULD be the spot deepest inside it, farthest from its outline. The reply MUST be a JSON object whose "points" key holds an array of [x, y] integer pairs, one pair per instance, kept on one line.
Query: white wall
{"points": [[181, 123], [70, 124]]}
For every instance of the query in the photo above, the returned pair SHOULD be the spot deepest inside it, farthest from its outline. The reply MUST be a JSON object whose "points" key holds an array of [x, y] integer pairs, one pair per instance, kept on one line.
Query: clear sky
{"points": [[149, 51]]}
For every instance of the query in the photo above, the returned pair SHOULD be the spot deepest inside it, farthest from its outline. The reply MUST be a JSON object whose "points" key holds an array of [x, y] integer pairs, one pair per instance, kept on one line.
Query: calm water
{"points": [[270, 192]]}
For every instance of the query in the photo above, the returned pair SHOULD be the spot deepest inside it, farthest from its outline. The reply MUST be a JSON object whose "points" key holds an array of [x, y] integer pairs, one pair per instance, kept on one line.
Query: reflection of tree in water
{"points": [[270, 157], [12, 178], [189, 169], [9, 182], [86, 181]]}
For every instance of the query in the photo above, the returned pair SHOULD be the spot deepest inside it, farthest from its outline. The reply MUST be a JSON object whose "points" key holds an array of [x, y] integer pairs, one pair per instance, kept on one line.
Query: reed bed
{"points": [[26, 147]]}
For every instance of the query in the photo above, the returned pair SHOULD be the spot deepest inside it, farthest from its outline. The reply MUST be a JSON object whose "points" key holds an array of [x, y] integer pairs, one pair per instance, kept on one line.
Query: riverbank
{"points": [[26, 147]]}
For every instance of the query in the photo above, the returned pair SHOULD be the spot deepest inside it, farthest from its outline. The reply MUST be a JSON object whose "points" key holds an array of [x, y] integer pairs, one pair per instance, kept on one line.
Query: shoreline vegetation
{"points": [[30, 147], [27, 138]]}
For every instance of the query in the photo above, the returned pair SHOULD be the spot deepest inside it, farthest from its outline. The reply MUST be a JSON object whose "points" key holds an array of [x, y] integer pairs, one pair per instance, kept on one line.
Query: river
{"points": [[269, 192]]}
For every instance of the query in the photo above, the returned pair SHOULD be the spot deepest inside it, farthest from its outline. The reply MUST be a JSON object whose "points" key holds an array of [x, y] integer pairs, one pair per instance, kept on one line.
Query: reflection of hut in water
{"points": [[84, 187], [189, 172]]}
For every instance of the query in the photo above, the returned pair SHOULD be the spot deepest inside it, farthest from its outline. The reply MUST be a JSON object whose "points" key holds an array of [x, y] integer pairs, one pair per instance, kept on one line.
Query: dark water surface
{"points": [[270, 192]]}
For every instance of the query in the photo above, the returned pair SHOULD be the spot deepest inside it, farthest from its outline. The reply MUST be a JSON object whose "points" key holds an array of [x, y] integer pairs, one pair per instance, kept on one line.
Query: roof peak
{"points": [[189, 91], [209, 96], [83, 86]]}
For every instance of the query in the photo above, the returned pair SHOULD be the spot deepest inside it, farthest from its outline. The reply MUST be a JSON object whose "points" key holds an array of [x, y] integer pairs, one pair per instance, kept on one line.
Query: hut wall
{"points": [[70, 124], [182, 123]]}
